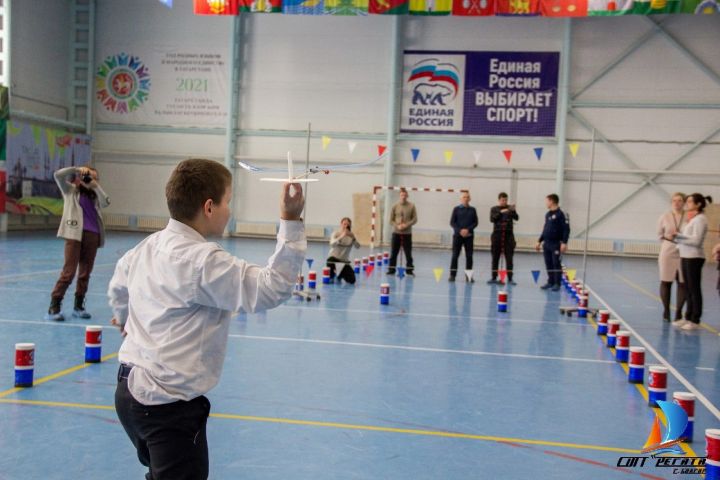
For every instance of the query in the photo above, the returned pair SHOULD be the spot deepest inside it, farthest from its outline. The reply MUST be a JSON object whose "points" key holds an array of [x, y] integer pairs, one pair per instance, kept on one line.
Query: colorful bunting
{"points": [[574, 147], [369, 269], [400, 272], [351, 147], [415, 153], [468, 275], [261, 6], [448, 156], [215, 7], [538, 152], [518, 7], [325, 141], [508, 155], [438, 272], [381, 149], [467, 8], [571, 272], [303, 7], [346, 7], [309, 262], [564, 8], [478, 155], [502, 274], [535, 275], [388, 7], [430, 7]]}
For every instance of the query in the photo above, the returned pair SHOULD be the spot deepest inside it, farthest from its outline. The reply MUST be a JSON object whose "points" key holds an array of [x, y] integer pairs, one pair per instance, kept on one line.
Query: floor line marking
{"points": [[648, 347], [46, 272], [52, 324], [420, 349], [705, 369], [55, 375], [640, 289], [641, 387], [347, 426]]}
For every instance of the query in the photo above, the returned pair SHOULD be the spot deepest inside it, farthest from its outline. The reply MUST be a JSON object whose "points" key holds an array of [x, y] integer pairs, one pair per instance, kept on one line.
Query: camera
{"points": [[87, 178]]}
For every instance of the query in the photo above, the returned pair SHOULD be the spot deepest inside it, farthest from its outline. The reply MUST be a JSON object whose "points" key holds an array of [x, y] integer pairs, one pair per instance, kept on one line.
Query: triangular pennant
{"points": [[571, 274], [574, 149], [351, 147], [401, 272], [448, 156], [438, 273], [468, 275], [535, 275], [381, 149], [538, 152], [369, 269], [309, 262], [326, 141], [503, 274], [478, 155], [508, 155], [415, 153]]}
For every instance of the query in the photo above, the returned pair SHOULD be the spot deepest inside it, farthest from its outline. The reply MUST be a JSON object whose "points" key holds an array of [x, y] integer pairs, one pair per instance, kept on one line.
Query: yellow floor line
{"points": [[643, 391], [640, 289], [347, 426], [55, 375]]}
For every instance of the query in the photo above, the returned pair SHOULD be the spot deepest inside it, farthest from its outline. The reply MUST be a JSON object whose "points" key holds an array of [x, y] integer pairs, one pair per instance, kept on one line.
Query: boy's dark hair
{"points": [[192, 183], [502, 195], [553, 198]]}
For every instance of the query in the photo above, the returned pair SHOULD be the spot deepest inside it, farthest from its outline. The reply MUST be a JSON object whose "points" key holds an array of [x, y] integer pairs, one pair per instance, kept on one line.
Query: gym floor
{"points": [[436, 385]]}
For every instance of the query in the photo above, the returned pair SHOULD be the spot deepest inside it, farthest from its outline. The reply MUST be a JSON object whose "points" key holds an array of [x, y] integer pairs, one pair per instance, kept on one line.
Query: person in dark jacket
{"points": [[463, 220], [502, 240], [553, 241]]}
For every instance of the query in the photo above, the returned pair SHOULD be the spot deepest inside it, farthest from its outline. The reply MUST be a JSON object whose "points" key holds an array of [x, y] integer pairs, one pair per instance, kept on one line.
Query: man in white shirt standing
{"points": [[172, 297]]}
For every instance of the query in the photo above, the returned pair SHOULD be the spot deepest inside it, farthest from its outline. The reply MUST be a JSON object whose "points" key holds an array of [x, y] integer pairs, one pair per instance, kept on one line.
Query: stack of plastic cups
{"points": [[356, 266], [371, 260], [622, 347], [384, 294], [687, 401], [386, 258], [378, 260], [326, 275], [603, 317], [613, 327], [583, 306], [502, 298], [300, 283], [364, 264], [657, 384], [24, 364], [93, 344], [712, 463], [312, 280], [636, 365]]}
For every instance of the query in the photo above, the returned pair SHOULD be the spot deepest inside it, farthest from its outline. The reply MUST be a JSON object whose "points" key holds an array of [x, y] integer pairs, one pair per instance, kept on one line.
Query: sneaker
{"points": [[411, 273], [547, 286], [679, 323], [55, 311], [391, 271], [79, 309], [492, 281], [451, 279], [513, 282], [690, 326], [556, 288]]}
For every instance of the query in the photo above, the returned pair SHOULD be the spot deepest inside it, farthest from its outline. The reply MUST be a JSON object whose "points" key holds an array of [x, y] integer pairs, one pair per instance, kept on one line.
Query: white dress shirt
{"points": [[175, 293]]}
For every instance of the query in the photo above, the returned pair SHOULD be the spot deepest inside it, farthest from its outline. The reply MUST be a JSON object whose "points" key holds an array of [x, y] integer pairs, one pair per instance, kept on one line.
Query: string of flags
{"points": [[449, 155]]}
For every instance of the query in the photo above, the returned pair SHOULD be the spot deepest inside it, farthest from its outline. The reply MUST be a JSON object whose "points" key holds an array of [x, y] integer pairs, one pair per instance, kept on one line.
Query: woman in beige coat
{"points": [[669, 224]]}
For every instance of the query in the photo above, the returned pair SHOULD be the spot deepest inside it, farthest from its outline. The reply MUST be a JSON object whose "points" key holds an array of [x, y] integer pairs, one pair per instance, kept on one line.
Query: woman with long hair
{"points": [[669, 224], [692, 258]]}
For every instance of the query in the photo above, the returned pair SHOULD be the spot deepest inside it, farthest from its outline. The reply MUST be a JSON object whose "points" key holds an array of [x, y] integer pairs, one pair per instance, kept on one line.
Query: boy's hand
{"points": [[120, 327], [291, 206]]}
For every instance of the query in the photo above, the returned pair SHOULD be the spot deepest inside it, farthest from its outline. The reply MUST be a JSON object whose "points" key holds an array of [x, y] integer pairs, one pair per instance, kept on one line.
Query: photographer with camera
{"points": [[83, 230], [342, 242]]}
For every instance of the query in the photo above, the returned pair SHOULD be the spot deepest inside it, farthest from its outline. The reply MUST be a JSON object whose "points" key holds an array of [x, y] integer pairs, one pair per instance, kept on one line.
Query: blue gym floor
{"points": [[437, 385]]}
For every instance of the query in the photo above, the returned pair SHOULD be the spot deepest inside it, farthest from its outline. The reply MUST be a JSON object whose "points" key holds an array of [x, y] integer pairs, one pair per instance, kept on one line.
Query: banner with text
{"points": [[480, 93]]}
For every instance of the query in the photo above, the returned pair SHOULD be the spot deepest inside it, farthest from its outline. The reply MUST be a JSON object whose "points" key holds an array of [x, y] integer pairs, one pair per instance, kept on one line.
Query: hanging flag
{"points": [[400, 272], [700, 7], [535, 275], [381, 149], [325, 141], [430, 7], [415, 152], [448, 156], [351, 147], [167, 3], [438, 273], [303, 7], [474, 8], [574, 147], [478, 155], [261, 6], [215, 7], [468, 275], [564, 8], [538, 152], [346, 7], [309, 262], [508, 155], [571, 272], [502, 274], [388, 7], [518, 7]]}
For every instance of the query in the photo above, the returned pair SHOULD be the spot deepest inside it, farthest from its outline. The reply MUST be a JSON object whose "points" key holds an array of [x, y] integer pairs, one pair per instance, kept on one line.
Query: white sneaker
{"points": [[679, 323], [690, 326]]}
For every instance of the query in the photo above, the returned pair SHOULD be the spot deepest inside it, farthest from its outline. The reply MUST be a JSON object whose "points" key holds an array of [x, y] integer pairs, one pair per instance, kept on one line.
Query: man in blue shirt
{"points": [[553, 241], [463, 220]]}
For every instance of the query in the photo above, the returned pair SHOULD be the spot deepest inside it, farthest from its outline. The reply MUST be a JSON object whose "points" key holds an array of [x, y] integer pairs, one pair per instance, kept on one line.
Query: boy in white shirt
{"points": [[173, 296]]}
